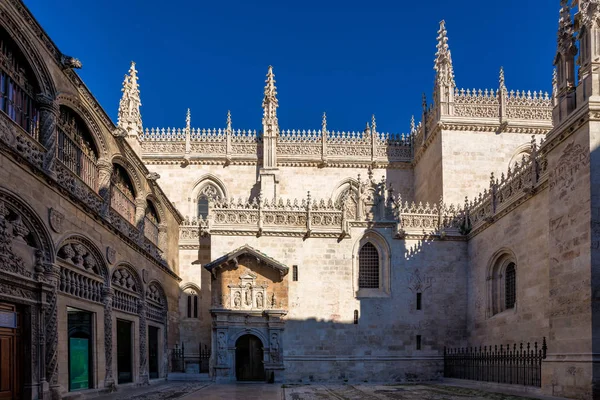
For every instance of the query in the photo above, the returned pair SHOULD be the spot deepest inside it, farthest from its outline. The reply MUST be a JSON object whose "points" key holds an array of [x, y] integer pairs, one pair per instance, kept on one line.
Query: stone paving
{"points": [[389, 392], [259, 391]]}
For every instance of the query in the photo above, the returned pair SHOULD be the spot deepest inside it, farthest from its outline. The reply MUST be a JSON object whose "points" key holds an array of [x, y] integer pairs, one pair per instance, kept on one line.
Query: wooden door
{"points": [[10, 368], [249, 359]]}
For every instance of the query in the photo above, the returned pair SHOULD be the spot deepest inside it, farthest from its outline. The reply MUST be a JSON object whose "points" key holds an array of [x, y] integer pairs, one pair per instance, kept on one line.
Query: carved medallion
{"points": [[145, 275], [56, 220], [111, 255]]}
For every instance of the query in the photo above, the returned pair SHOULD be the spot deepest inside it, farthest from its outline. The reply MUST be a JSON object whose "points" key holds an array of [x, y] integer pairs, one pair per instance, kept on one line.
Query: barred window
{"points": [[368, 267], [18, 86], [510, 281], [123, 194], [76, 149], [192, 304]]}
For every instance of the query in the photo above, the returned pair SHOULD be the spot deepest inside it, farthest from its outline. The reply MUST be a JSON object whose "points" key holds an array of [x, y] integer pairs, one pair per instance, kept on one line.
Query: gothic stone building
{"points": [[303, 255]]}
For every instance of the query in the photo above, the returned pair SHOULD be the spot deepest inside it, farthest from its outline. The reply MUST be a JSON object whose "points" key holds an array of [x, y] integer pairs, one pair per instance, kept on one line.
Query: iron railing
{"points": [[516, 364], [192, 362]]}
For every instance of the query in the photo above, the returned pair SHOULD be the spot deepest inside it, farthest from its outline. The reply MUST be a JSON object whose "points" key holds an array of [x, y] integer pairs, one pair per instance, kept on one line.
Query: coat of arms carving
{"points": [[56, 220]]}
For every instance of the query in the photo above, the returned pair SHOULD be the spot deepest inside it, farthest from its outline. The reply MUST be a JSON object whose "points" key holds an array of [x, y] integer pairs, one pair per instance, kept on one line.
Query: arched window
{"points": [[208, 192], [123, 194], [510, 286], [76, 149], [18, 86], [368, 267], [151, 221], [502, 283], [192, 304]]}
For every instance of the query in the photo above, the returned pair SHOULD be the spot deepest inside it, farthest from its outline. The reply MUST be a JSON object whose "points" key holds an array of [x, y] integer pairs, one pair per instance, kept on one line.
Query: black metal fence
{"points": [[516, 364], [190, 362]]}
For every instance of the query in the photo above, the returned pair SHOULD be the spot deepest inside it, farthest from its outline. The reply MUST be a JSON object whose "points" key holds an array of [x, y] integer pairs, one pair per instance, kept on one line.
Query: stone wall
{"points": [[522, 236], [321, 341]]}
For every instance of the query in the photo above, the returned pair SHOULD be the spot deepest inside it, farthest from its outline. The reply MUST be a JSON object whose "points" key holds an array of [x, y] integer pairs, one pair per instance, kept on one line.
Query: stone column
{"points": [[162, 236], [107, 299], [105, 170], [140, 213], [143, 378], [49, 111], [51, 321]]}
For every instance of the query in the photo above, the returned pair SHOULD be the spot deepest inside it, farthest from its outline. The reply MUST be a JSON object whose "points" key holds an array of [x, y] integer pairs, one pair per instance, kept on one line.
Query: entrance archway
{"points": [[249, 364]]}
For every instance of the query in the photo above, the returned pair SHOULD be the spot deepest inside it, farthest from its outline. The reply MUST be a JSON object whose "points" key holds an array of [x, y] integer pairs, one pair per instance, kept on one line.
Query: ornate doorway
{"points": [[249, 359]]}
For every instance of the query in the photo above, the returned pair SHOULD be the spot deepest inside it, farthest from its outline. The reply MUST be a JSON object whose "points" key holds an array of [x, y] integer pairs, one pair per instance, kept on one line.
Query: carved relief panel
{"points": [[248, 295]]}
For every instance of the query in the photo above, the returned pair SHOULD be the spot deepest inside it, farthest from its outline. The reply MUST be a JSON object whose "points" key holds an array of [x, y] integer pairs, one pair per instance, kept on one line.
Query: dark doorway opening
{"points": [[80, 349], [124, 351], [249, 364], [11, 352], [153, 351]]}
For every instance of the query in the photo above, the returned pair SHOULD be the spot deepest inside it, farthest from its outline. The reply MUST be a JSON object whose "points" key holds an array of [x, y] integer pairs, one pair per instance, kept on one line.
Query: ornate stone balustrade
{"points": [[25, 146], [308, 218], [477, 103], [292, 145], [536, 106], [521, 181]]}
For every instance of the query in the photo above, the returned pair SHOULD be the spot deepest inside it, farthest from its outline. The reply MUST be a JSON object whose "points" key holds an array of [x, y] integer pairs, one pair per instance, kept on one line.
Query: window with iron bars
{"points": [[510, 281], [17, 87], [368, 267]]}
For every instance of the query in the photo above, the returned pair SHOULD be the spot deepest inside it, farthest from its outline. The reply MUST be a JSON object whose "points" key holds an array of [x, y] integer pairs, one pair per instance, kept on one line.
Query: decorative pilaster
{"points": [[188, 135], [51, 320], [565, 64], [502, 97], [49, 110], [444, 78], [373, 139], [324, 140], [144, 379], [107, 299], [228, 133], [105, 171]]}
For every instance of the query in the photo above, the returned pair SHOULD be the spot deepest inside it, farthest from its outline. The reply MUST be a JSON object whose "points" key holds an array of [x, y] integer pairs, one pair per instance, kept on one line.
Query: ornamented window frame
{"points": [[383, 248], [198, 192], [496, 283]]}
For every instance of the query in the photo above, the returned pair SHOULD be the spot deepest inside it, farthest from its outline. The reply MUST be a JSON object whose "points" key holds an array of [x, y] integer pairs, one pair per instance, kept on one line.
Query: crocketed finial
{"points": [[443, 58]]}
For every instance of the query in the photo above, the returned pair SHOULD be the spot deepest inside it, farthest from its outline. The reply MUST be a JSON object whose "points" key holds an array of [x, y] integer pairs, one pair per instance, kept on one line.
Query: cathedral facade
{"points": [[295, 255]]}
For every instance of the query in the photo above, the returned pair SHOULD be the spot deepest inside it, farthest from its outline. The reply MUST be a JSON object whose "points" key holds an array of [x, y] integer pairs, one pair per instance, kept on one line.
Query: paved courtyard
{"points": [[258, 391]]}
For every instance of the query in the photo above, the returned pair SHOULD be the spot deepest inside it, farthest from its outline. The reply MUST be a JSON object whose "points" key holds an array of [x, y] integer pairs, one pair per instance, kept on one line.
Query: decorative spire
{"points": [[412, 124], [373, 125], [228, 121], [589, 11], [324, 123], [129, 117], [554, 83], [443, 59], [270, 105], [566, 31], [270, 123], [188, 119], [502, 81]]}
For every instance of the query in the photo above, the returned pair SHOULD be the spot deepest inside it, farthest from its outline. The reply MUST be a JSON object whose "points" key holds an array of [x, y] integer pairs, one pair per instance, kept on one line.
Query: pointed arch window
{"points": [[368, 267], [207, 193], [151, 221], [192, 304], [18, 86], [123, 193], [76, 149], [510, 286]]}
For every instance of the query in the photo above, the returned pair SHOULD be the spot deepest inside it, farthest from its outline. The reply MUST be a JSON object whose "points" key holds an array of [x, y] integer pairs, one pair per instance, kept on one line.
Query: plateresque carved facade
{"points": [[479, 226]]}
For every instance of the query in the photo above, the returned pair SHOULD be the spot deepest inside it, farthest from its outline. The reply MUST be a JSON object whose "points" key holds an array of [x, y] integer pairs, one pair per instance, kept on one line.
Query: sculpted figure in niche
{"points": [[221, 340], [259, 300], [274, 348], [248, 295], [237, 300]]}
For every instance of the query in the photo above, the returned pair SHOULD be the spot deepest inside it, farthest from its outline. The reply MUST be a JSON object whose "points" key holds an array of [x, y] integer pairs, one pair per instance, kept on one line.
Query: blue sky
{"points": [[349, 58]]}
